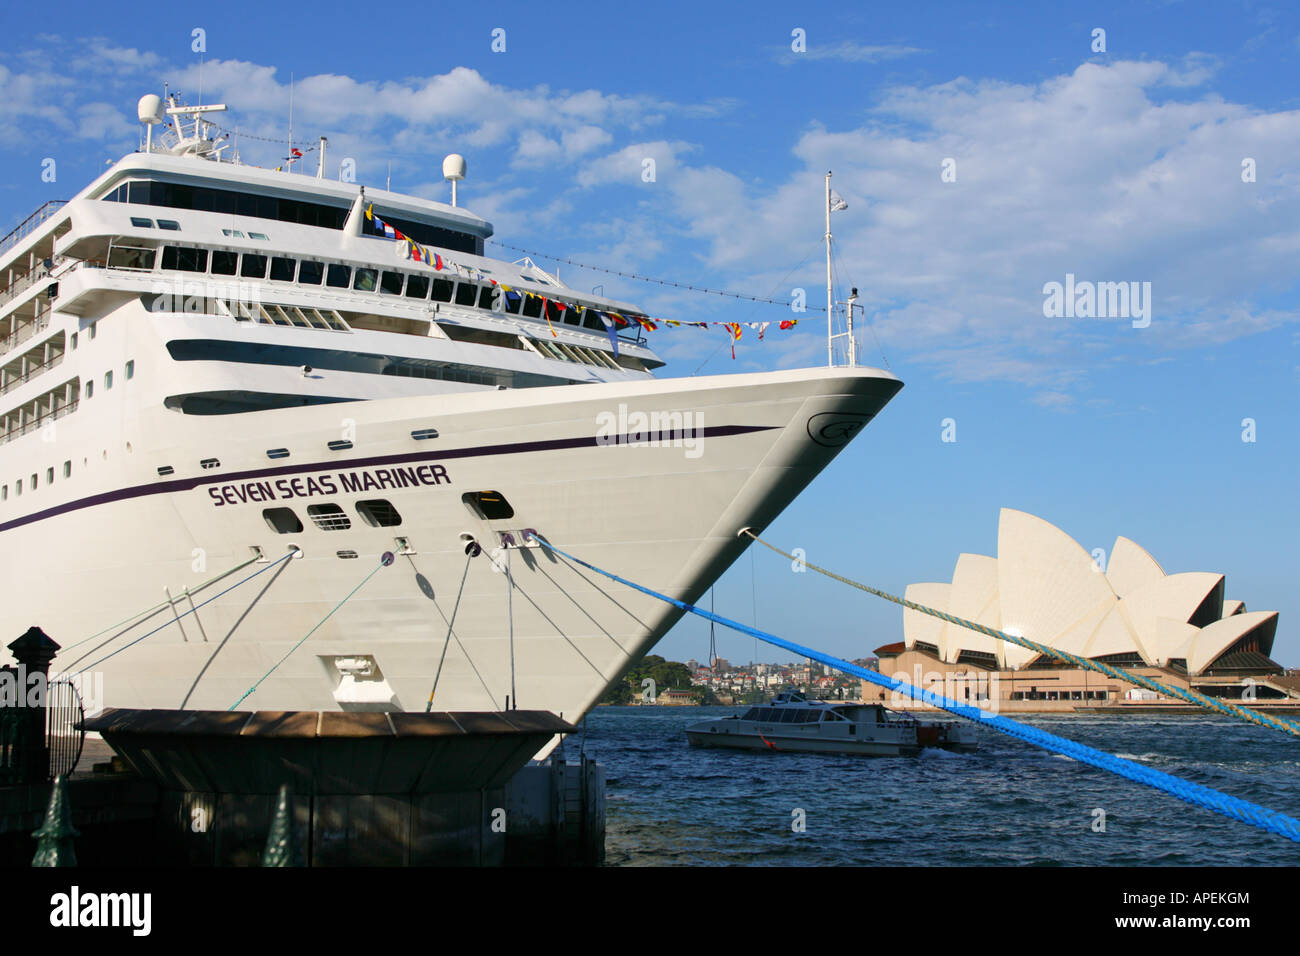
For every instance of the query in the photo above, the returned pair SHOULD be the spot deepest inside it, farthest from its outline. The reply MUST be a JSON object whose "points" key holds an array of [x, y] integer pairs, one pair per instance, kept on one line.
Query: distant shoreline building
{"points": [[1176, 628]]}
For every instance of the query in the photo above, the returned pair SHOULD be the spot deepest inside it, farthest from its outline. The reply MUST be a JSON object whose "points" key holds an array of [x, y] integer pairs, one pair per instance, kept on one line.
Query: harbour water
{"points": [[1007, 805]]}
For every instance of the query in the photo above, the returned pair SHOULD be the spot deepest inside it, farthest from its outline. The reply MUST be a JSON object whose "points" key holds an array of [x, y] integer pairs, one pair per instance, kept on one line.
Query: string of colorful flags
{"points": [[612, 321]]}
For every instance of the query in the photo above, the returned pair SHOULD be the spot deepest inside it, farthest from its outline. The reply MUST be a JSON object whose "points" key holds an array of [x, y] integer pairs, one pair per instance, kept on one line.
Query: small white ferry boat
{"points": [[791, 722]]}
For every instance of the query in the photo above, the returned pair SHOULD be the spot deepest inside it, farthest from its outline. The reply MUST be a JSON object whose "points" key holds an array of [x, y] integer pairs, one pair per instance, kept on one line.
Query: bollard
{"points": [[54, 838], [33, 652]]}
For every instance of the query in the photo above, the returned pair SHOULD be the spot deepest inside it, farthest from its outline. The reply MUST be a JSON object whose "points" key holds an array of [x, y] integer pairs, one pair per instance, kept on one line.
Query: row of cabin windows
{"points": [[128, 369], [207, 199], [790, 715], [377, 513], [34, 481], [335, 275], [419, 434]]}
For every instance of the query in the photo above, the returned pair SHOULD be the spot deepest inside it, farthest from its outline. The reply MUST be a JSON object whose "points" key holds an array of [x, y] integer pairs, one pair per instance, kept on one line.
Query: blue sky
{"points": [[1123, 165]]}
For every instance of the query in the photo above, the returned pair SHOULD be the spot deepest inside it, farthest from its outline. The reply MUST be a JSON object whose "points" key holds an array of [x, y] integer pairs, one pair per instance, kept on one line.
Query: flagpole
{"points": [[830, 331]]}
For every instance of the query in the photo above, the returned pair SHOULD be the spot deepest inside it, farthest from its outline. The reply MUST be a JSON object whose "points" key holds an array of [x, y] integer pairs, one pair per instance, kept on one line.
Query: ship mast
{"points": [[830, 305]]}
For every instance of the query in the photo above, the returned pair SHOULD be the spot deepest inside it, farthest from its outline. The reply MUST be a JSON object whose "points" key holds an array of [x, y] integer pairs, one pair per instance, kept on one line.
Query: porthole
{"points": [[348, 554], [489, 505], [339, 444], [329, 517], [277, 453], [422, 434], [209, 463], [165, 470], [282, 520], [379, 513]]}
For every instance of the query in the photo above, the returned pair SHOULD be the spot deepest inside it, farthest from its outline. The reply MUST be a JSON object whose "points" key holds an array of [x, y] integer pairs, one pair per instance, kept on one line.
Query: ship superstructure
{"points": [[209, 369]]}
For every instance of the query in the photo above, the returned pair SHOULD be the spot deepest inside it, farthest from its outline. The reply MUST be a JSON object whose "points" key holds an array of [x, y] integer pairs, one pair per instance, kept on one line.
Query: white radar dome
{"points": [[150, 109], [453, 167]]}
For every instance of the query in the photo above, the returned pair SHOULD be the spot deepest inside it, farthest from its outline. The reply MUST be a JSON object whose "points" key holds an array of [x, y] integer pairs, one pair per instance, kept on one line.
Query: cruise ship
{"points": [[275, 441]]}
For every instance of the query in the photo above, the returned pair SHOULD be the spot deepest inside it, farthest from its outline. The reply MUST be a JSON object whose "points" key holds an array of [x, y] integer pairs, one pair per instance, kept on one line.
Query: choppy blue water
{"points": [[1009, 804]]}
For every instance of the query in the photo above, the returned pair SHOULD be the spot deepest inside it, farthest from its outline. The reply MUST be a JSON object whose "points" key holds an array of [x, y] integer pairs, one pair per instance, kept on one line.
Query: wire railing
{"points": [[29, 225]]}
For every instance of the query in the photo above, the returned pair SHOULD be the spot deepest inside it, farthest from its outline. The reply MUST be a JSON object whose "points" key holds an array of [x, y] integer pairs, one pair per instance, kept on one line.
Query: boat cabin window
{"points": [[364, 281], [466, 292], [224, 263], [532, 307], [390, 283], [487, 294], [141, 223], [185, 259], [128, 257], [442, 290], [338, 276], [253, 266], [417, 287], [282, 268], [310, 273], [171, 224]]}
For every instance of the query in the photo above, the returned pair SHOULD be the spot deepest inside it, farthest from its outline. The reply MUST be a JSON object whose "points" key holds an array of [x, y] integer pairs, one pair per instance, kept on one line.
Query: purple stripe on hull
{"points": [[481, 451]]}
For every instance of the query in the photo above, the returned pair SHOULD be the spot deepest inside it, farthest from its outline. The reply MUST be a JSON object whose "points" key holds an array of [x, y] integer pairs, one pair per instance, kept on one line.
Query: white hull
{"points": [[100, 548]]}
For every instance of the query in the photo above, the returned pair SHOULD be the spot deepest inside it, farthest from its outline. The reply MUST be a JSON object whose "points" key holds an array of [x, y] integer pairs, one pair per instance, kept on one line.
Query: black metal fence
{"points": [[40, 720]]}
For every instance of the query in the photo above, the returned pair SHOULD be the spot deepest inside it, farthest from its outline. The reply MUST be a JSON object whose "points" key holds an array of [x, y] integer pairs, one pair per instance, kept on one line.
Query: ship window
{"points": [[67, 469], [442, 289], [282, 520], [420, 434], [129, 257], [339, 276], [486, 295], [210, 463], [18, 487], [347, 554], [130, 369], [466, 292], [234, 233], [4, 492], [390, 283], [339, 444], [92, 329], [185, 259], [171, 224], [489, 505], [365, 280], [259, 235], [532, 307], [49, 476], [33, 482], [282, 268], [417, 287], [310, 272], [141, 222], [165, 470], [277, 453], [224, 263], [74, 341], [108, 379], [379, 513], [253, 266], [90, 389], [329, 517]]}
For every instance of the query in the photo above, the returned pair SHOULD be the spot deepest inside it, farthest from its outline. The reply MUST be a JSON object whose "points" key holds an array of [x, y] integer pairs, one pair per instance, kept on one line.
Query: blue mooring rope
{"points": [[1194, 793]]}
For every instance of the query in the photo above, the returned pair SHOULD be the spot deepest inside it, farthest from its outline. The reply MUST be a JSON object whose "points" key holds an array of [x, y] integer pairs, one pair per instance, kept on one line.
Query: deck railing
{"points": [[29, 225]]}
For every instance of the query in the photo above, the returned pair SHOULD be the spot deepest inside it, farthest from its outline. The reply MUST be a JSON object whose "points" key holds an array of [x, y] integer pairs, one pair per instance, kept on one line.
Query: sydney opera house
{"points": [[1124, 610]]}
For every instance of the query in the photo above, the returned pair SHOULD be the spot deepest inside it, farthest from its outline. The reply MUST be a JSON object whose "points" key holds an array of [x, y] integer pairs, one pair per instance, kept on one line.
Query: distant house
{"points": [[675, 697]]}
